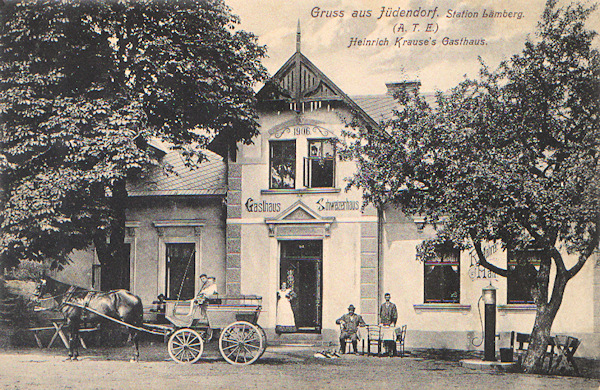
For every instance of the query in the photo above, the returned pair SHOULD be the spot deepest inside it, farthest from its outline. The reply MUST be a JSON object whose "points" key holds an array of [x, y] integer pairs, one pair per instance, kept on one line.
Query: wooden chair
{"points": [[566, 346], [400, 338], [554, 349], [374, 338], [522, 340]]}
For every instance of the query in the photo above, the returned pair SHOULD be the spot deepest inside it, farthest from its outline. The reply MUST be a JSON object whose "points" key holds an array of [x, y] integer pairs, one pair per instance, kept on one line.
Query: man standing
{"points": [[350, 323], [388, 316]]}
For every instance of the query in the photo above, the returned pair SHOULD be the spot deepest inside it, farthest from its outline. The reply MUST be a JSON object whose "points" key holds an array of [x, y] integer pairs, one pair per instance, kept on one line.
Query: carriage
{"points": [[234, 318]]}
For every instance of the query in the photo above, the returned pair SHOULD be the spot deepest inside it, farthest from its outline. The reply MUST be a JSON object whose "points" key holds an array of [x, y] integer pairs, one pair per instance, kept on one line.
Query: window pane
{"points": [[328, 149], [283, 164], [321, 173], [519, 283], [321, 164], [442, 278], [180, 270]]}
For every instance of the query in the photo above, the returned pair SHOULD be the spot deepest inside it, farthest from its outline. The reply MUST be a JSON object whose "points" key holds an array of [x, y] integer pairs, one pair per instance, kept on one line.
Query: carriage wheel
{"points": [[185, 346], [241, 343], [264, 334]]}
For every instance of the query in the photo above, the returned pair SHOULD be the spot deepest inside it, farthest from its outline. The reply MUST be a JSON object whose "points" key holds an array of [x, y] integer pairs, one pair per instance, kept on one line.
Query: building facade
{"points": [[279, 211]]}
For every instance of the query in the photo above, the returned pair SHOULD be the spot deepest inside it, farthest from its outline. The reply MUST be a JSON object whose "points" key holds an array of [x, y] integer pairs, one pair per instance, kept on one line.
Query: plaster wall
{"points": [[459, 325], [344, 243], [148, 278]]}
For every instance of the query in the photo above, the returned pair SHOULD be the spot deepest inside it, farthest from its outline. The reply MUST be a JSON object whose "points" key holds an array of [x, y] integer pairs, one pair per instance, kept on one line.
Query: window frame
{"points": [[283, 158], [515, 266], [311, 159], [443, 253]]}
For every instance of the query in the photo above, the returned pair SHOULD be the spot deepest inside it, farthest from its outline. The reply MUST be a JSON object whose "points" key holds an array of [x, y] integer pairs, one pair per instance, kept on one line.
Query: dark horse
{"points": [[71, 301]]}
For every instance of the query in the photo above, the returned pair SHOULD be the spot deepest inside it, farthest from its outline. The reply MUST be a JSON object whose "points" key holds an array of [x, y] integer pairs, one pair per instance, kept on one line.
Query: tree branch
{"points": [[583, 256], [482, 260]]}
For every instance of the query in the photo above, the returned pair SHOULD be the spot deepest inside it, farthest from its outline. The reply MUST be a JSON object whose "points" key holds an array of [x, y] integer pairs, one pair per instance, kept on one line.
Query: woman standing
{"points": [[285, 322]]}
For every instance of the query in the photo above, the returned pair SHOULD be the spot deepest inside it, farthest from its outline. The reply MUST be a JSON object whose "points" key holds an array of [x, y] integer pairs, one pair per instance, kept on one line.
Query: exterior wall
{"points": [[158, 221], [349, 264], [458, 325], [80, 271]]}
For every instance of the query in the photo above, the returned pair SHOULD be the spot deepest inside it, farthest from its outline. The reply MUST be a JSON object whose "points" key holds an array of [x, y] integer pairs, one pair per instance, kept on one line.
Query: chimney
{"points": [[408, 86]]}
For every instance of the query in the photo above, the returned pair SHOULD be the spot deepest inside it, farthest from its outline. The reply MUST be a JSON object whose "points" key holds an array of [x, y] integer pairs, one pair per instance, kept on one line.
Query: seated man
{"points": [[350, 323], [208, 287]]}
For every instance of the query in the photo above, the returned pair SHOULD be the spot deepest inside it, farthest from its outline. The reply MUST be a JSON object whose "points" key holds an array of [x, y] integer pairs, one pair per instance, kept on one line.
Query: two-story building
{"points": [[278, 211]]}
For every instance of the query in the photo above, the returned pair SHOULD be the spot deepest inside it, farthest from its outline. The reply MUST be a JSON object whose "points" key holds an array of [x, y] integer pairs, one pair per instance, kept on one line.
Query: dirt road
{"points": [[280, 368]]}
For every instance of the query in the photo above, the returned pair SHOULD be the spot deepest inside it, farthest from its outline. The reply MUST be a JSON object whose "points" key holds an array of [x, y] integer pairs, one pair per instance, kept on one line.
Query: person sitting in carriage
{"points": [[208, 288]]}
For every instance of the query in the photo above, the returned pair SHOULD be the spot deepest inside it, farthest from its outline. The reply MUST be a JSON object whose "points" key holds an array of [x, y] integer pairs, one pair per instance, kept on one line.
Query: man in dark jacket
{"points": [[350, 323], [388, 316]]}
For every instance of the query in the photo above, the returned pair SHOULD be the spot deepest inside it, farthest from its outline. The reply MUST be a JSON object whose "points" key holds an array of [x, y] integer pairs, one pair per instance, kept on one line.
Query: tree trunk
{"points": [[540, 335], [112, 255]]}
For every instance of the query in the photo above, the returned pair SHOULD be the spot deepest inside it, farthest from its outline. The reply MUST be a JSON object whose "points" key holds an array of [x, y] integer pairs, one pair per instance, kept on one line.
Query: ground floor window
{"points": [[522, 268], [180, 268], [442, 277]]}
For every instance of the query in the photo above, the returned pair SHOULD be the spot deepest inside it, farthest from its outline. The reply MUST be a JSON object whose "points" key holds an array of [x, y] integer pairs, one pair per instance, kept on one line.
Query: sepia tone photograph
{"points": [[263, 194]]}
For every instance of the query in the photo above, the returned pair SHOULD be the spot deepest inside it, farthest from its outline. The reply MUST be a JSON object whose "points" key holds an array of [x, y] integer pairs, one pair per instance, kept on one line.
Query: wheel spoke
{"points": [[232, 352], [253, 346], [178, 354], [195, 349], [248, 352], [230, 346], [177, 347], [256, 338], [231, 340]]}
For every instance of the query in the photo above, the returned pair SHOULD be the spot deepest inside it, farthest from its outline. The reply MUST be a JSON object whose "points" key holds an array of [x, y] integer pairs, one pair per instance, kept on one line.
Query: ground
{"points": [[281, 367]]}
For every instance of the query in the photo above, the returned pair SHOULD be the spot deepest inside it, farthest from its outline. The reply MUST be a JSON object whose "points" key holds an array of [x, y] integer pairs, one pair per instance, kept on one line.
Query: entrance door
{"points": [[301, 268], [181, 270]]}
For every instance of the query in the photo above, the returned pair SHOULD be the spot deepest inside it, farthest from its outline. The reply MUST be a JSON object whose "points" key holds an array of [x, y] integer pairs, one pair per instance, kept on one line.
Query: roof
{"points": [[380, 107], [208, 178]]}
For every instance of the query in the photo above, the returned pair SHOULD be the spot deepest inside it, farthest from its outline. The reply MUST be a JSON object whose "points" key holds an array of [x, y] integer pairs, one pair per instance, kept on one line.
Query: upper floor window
{"points": [[442, 277], [521, 275], [319, 166], [282, 164]]}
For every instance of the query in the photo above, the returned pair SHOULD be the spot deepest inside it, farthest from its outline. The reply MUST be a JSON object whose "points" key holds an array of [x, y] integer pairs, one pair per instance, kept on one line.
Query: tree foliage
{"points": [[82, 83], [510, 157]]}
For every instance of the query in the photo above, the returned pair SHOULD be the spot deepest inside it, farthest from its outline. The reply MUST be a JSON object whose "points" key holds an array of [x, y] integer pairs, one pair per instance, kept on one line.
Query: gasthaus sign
{"points": [[322, 204]]}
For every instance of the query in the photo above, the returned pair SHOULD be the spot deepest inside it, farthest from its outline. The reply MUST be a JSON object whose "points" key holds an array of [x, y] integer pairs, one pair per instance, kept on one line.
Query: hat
{"points": [[351, 307]]}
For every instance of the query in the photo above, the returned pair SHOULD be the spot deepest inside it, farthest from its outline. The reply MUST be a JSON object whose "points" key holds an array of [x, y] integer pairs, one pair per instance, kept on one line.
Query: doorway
{"points": [[301, 268]]}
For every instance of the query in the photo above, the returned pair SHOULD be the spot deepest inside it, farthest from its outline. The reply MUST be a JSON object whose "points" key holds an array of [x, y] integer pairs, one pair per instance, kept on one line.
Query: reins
{"points": [[69, 293]]}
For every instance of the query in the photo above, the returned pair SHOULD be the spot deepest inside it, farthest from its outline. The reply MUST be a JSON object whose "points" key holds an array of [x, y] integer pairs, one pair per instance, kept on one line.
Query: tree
{"points": [[83, 84], [511, 157]]}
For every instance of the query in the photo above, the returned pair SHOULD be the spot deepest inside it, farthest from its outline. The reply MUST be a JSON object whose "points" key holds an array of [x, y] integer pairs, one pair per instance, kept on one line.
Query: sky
{"points": [[364, 70]]}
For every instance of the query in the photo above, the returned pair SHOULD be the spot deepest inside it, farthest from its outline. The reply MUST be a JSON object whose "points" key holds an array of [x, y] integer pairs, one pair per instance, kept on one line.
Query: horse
{"points": [[72, 301]]}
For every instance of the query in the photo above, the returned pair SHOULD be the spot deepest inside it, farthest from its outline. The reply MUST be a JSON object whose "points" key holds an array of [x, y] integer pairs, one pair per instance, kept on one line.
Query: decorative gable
{"points": [[299, 221], [301, 84]]}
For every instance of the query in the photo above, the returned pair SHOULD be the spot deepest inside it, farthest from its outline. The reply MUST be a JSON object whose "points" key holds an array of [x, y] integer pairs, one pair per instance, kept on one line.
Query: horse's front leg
{"points": [[134, 339], [73, 339]]}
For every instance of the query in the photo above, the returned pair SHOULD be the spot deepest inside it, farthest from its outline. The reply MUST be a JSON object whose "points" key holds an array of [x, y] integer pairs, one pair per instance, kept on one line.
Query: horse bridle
{"points": [[69, 293]]}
